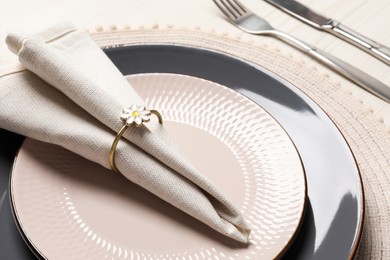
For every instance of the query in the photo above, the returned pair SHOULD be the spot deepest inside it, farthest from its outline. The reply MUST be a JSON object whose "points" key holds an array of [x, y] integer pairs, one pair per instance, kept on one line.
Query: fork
{"points": [[251, 23]]}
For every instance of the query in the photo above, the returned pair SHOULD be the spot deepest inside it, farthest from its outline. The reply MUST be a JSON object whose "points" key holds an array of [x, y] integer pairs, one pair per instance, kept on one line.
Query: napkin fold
{"points": [[72, 95]]}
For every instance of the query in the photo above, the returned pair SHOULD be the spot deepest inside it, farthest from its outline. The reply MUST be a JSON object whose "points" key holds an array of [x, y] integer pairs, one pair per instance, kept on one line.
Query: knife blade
{"points": [[334, 27]]}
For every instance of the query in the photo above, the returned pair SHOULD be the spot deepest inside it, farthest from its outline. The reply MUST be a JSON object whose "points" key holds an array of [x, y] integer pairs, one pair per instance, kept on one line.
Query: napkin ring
{"points": [[132, 115]]}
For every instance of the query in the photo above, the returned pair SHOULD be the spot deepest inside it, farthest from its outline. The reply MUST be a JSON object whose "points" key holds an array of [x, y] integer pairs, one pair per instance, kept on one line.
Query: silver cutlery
{"points": [[320, 22], [249, 22]]}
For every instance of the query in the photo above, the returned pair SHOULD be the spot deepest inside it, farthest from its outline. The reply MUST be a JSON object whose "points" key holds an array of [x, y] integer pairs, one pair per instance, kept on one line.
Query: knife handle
{"points": [[361, 78], [347, 70], [371, 47]]}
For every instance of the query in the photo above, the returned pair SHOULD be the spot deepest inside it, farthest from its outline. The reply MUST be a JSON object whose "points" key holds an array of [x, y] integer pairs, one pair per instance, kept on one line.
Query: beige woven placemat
{"points": [[368, 137]]}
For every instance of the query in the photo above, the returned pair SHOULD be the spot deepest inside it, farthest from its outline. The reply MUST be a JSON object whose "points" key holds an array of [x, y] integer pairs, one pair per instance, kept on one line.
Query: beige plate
{"points": [[71, 208]]}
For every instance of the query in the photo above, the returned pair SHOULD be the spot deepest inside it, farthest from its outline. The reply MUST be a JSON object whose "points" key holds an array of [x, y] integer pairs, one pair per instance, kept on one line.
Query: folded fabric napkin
{"points": [[72, 95]]}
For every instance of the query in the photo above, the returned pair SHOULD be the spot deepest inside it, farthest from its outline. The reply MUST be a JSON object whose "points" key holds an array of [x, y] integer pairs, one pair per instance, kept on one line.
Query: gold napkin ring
{"points": [[132, 115]]}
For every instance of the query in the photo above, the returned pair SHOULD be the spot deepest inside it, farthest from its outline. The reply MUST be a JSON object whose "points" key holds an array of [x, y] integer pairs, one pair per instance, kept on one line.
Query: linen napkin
{"points": [[72, 95]]}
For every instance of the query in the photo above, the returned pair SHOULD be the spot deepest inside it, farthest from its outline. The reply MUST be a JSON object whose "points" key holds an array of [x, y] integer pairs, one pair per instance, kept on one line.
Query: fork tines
{"points": [[233, 9]]}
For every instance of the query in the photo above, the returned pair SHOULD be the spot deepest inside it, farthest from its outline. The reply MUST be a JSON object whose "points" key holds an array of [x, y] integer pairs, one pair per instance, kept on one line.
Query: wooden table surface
{"points": [[369, 17]]}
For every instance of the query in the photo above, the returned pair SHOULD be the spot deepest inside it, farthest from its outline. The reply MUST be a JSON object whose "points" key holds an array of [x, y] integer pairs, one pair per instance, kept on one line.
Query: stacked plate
{"points": [[270, 148]]}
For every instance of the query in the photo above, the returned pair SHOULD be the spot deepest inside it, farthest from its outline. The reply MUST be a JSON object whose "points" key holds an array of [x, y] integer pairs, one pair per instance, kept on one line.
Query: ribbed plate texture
{"points": [[71, 208]]}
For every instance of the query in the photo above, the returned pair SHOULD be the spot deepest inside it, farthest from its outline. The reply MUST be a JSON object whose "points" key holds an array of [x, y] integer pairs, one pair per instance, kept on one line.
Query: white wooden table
{"points": [[369, 17]]}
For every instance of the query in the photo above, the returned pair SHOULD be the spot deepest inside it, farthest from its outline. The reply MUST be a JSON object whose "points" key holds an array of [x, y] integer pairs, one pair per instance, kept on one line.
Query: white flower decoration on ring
{"points": [[135, 115], [131, 115]]}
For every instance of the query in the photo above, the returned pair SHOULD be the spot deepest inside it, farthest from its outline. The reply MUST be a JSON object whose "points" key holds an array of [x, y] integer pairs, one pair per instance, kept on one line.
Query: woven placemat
{"points": [[368, 137]]}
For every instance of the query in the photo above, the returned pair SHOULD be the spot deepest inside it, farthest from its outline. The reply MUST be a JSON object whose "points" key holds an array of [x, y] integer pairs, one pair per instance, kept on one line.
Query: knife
{"points": [[334, 27]]}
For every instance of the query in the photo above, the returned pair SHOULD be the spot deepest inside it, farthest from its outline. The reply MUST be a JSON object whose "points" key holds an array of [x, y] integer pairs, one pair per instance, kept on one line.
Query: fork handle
{"points": [[345, 69], [373, 48]]}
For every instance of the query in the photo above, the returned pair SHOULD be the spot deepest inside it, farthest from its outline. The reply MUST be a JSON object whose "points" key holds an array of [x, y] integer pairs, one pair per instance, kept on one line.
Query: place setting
{"points": [[172, 143]]}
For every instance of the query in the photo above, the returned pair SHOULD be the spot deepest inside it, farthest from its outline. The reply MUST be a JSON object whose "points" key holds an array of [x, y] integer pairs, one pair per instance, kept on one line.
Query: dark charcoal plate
{"points": [[333, 221]]}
